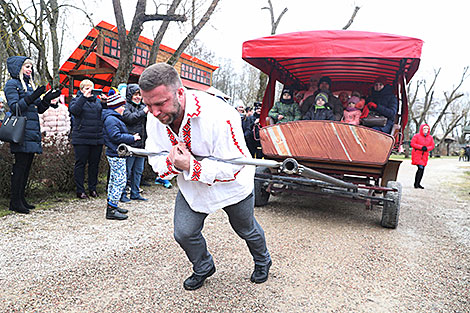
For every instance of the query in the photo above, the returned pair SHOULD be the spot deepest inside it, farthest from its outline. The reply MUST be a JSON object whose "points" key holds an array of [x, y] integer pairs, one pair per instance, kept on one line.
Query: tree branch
{"points": [[184, 44], [351, 20]]}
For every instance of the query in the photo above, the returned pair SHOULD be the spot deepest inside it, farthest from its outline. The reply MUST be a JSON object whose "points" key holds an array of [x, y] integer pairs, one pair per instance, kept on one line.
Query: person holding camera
{"points": [[22, 94], [87, 136]]}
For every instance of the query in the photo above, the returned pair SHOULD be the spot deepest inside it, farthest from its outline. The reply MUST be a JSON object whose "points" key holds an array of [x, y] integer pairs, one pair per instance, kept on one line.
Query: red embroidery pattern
{"points": [[235, 142], [196, 171], [227, 180], [198, 109], [173, 140], [170, 168], [187, 134]]}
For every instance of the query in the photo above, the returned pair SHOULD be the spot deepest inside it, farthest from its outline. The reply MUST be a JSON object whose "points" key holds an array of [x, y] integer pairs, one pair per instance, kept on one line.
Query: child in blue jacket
{"points": [[115, 133]]}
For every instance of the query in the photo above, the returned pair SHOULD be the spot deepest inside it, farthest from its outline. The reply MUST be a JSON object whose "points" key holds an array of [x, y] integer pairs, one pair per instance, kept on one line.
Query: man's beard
{"points": [[173, 116]]}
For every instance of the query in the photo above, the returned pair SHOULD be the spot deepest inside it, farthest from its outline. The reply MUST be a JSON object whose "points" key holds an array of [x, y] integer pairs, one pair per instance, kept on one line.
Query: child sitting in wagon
{"points": [[352, 113], [320, 110]]}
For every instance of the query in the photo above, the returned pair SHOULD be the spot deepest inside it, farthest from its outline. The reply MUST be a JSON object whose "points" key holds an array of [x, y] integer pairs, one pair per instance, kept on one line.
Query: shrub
{"points": [[53, 169], [6, 161]]}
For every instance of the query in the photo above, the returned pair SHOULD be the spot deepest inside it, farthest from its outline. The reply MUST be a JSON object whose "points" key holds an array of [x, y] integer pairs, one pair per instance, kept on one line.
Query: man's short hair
{"points": [[159, 74]]}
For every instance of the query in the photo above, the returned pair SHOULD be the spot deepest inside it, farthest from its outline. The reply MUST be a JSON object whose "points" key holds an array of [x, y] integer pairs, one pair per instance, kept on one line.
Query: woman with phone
{"points": [[87, 136]]}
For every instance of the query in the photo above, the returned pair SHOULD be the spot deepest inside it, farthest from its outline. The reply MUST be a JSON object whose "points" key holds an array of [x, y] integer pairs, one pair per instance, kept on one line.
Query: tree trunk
{"points": [[52, 18], [161, 31], [184, 44], [263, 78], [127, 42]]}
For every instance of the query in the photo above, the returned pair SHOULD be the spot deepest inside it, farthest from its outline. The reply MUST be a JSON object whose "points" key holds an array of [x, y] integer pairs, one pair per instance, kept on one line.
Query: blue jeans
{"points": [[188, 225], [135, 168]]}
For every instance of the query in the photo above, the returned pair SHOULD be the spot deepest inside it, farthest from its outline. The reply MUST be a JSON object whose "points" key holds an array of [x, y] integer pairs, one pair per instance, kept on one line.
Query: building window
{"points": [[112, 48], [196, 74]]}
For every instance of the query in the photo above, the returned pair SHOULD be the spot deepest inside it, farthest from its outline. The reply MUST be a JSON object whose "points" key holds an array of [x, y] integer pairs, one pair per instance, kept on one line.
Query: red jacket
{"points": [[418, 156]]}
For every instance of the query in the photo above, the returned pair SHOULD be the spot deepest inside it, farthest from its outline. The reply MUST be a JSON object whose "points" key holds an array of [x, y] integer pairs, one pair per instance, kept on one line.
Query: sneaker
{"points": [[139, 197], [261, 272], [124, 199], [166, 183], [196, 281]]}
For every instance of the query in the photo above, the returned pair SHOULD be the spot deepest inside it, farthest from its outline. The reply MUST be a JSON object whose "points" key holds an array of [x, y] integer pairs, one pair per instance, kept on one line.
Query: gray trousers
{"points": [[188, 225]]}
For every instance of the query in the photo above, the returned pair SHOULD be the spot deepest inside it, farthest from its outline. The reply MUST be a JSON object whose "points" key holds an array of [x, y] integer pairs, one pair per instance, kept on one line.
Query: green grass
{"points": [[402, 157]]}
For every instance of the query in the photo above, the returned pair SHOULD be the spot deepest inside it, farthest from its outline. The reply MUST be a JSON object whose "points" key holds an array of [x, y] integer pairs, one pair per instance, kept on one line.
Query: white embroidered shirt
{"points": [[210, 128]]}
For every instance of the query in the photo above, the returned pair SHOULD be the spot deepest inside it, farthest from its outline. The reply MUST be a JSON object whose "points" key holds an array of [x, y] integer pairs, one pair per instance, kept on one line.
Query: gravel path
{"points": [[328, 256]]}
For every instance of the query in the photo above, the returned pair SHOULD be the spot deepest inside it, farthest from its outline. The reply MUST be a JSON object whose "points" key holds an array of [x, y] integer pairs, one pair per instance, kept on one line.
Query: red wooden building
{"points": [[97, 58]]}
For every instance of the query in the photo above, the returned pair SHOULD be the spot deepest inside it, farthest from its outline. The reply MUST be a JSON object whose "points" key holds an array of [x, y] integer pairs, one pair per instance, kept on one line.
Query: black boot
{"points": [[16, 204], [418, 177], [112, 213]]}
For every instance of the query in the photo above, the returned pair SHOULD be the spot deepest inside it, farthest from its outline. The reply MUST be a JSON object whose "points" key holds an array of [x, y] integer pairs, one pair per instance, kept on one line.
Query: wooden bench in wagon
{"points": [[329, 158]]}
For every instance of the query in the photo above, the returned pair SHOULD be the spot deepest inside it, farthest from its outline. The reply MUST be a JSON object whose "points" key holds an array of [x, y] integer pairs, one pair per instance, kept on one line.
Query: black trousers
{"points": [[84, 154], [19, 177], [419, 176]]}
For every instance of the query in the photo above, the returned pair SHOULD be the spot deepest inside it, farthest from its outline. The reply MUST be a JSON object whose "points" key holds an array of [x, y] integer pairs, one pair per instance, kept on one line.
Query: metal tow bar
{"points": [[289, 166]]}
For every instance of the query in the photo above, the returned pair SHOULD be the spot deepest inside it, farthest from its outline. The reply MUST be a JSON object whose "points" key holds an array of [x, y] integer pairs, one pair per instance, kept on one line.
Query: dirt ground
{"points": [[328, 256]]}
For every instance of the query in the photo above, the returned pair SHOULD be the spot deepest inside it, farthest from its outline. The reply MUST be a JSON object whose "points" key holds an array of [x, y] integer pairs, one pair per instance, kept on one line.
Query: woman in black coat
{"points": [[87, 137], [135, 118], [22, 95]]}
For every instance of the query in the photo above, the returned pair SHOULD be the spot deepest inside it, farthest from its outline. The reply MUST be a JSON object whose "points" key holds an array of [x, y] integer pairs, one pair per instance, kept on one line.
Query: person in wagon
{"points": [[304, 94], [352, 114], [324, 86], [383, 102], [321, 110], [285, 110]]}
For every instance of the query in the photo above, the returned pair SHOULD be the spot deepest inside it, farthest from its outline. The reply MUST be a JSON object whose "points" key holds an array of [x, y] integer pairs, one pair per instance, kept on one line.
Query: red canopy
{"points": [[352, 59], [345, 56]]}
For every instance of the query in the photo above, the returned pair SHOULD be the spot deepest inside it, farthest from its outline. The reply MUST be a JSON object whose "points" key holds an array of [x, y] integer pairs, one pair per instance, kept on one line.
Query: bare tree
{"points": [[161, 31], [128, 41], [31, 29], [434, 111], [263, 78], [195, 30]]}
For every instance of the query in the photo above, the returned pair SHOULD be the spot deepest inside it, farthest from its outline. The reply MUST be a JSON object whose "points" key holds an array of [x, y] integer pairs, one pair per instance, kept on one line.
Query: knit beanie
{"points": [[323, 96], [290, 91], [324, 79], [354, 100], [115, 101]]}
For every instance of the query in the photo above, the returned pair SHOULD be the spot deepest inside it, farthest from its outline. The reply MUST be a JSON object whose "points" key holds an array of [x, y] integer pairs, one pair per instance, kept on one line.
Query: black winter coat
{"points": [[15, 94], [387, 105], [319, 114], [134, 117], [333, 103], [87, 126], [115, 132]]}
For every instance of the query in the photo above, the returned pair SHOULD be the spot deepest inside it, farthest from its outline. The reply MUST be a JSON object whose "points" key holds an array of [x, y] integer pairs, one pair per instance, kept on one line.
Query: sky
{"points": [[442, 25]]}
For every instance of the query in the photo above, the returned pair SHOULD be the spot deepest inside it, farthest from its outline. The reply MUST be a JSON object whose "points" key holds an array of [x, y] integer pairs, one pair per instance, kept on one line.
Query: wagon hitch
{"points": [[289, 166]]}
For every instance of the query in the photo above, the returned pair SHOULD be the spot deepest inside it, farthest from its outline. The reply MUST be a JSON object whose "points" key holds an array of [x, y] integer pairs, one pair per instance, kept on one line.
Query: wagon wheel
{"points": [[261, 195], [391, 210]]}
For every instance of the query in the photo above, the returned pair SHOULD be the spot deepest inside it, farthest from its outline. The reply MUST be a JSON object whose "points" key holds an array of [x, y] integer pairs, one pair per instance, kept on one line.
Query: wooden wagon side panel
{"points": [[326, 141]]}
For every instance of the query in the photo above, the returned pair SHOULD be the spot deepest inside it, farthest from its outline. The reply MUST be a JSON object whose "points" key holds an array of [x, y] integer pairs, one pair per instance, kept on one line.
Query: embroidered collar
{"points": [[193, 108]]}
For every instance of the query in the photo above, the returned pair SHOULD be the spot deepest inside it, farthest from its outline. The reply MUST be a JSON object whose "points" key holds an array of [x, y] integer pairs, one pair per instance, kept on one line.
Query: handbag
{"points": [[13, 128], [372, 120]]}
